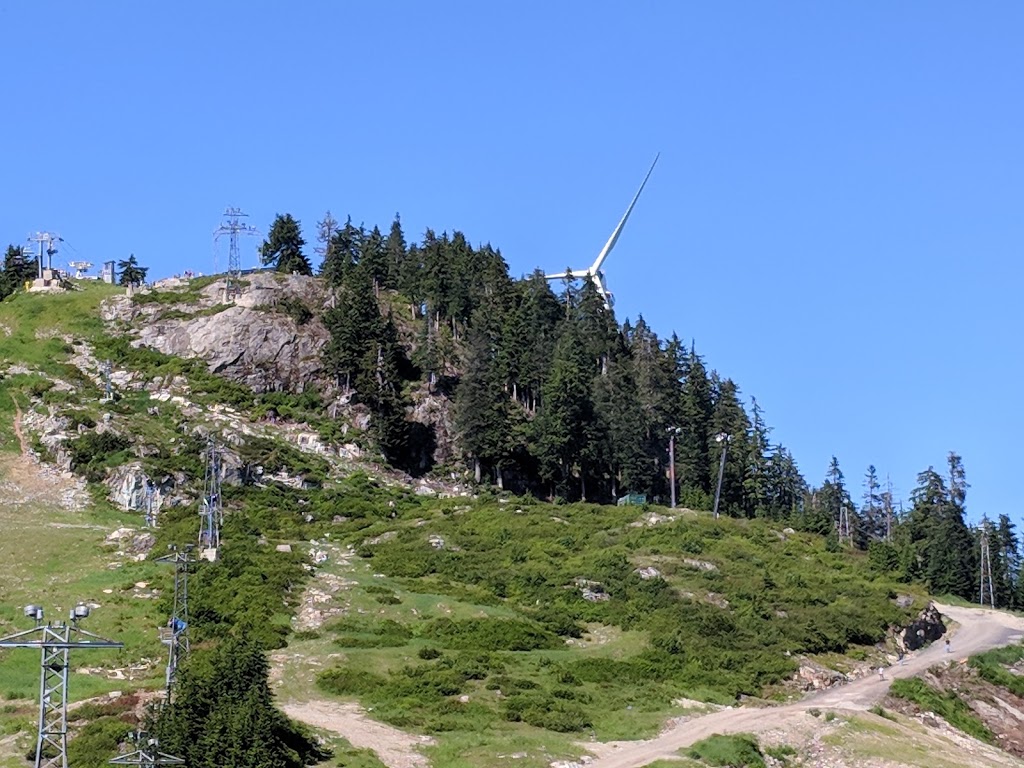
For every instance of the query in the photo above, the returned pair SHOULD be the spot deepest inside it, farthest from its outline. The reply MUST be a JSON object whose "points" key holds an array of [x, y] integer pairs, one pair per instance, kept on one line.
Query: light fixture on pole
{"points": [[673, 432], [723, 438], [55, 640]]}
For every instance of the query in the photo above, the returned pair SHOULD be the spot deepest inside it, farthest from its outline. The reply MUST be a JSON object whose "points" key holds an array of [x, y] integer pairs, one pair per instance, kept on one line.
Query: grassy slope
{"points": [[650, 643]]}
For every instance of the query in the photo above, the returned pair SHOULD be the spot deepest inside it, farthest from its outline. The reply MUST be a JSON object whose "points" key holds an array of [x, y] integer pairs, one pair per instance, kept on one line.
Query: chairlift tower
{"points": [[49, 239], [148, 755], [55, 641], [986, 568], [150, 514], [108, 387], [175, 634], [233, 227], [845, 533], [724, 439], [211, 511]]}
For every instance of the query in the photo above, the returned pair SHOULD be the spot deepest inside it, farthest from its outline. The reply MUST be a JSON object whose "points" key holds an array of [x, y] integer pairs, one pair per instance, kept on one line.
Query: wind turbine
{"points": [[594, 273]]}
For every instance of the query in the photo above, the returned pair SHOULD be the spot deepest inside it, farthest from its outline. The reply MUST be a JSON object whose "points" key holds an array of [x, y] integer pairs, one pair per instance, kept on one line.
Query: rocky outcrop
{"points": [[926, 628], [265, 351], [252, 340]]}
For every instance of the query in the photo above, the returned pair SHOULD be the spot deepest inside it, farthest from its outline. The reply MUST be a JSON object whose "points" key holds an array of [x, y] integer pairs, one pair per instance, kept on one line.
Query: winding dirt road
{"points": [[980, 630]]}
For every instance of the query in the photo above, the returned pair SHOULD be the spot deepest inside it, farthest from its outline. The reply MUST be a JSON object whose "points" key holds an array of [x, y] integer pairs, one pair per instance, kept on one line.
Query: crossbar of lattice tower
{"points": [[175, 634], [148, 755], [211, 511], [986, 588], [55, 642]]}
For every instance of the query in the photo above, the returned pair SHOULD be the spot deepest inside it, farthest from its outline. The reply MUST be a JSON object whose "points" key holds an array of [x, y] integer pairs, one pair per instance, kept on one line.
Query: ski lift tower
{"points": [[148, 755], [55, 641], [211, 511], [175, 634]]}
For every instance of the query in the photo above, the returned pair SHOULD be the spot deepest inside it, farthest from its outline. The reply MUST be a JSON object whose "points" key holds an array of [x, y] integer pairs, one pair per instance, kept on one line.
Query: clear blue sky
{"points": [[837, 217]]}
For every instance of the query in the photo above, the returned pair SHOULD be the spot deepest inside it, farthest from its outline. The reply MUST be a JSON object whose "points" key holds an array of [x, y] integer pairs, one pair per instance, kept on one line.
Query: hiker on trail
{"points": [[881, 673], [948, 650], [899, 656]]}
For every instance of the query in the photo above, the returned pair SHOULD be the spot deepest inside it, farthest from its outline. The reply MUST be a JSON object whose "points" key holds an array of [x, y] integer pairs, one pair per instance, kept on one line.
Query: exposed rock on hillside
{"points": [[252, 341], [926, 628]]}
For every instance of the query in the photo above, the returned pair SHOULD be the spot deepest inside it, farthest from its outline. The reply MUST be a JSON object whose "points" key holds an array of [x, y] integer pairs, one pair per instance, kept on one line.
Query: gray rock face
{"points": [[266, 351], [252, 341]]}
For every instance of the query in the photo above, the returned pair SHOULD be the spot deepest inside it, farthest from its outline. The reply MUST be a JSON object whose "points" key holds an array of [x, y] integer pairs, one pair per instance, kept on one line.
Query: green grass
{"points": [[992, 666], [946, 704], [732, 751]]}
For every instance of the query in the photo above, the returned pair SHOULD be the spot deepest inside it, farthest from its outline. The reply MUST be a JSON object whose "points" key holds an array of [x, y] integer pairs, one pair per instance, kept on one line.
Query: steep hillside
{"points": [[426, 621]]}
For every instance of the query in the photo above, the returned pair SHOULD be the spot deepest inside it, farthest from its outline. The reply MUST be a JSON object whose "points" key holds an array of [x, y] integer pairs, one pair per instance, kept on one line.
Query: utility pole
{"points": [[233, 227], [175, 634], [211, 510], [672, 433], [55, 641], [986, 567], [150, 516], [723, 438], [148, 755]]}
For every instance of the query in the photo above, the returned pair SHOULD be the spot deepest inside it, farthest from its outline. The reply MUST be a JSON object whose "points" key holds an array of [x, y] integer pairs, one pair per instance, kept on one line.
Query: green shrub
{"points": [[97, 742], [946, 704], [347, 681], [733, 751], [490, 635]]}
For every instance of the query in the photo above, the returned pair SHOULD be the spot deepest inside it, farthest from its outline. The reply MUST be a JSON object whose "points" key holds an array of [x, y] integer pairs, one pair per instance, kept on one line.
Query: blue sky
{"points": [[837, 217]]}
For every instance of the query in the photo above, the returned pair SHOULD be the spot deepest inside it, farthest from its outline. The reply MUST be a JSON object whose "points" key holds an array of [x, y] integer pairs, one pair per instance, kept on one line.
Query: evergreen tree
{"points": [[1005, 562], [283, 247], [873, 511], [693, 461], [373, 257], [482, 409], [728, 419], [353, 324], [325, 229], [563, 427], [759, 458], [380, 387], [395, 254], [131, 272], [223, 714], [18, 269], [343, 255]]}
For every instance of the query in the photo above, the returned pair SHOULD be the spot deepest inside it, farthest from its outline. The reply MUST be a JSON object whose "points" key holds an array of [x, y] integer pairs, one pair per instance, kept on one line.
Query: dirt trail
{"points": [[17, 427], [980, 630], [395, 748]]}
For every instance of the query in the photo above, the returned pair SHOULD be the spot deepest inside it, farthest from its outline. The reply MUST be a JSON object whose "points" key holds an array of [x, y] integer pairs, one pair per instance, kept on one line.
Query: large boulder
{"points": [[926, 628]]}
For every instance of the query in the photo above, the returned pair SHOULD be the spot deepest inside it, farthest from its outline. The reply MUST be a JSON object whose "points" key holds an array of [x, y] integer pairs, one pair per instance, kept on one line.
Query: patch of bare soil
{"points": [[395, 748]]}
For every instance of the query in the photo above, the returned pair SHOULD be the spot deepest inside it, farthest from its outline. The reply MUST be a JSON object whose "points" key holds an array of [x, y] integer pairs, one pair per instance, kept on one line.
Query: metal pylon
{"points": [[986, 569], [175, 634], [211, 512], [148, 755], [845, 534], [55, 642]]}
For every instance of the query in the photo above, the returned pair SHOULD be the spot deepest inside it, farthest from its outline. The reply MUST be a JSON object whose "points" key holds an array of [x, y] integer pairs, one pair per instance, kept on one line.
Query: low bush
{"points": [[490, 635], [733, 751]]}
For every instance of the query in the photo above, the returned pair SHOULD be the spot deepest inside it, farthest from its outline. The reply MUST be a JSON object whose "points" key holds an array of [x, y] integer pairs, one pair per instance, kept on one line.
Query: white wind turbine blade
{"points": [[622, 223]]}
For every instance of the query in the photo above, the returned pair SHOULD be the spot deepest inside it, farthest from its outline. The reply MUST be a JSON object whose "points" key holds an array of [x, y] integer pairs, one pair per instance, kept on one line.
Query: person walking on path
{"points": [[948, 649]]}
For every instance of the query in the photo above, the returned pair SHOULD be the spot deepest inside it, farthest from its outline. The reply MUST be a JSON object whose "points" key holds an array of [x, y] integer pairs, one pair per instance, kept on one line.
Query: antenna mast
{"points": [[233, 227]]}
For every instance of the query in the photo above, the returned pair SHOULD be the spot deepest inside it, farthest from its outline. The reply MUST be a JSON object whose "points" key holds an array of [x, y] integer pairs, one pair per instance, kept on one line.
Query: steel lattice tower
{"points": [[55, 642], [233, 227], [175, 634], [845, 534], [211, 513], [986, 568], [148, 755]]}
